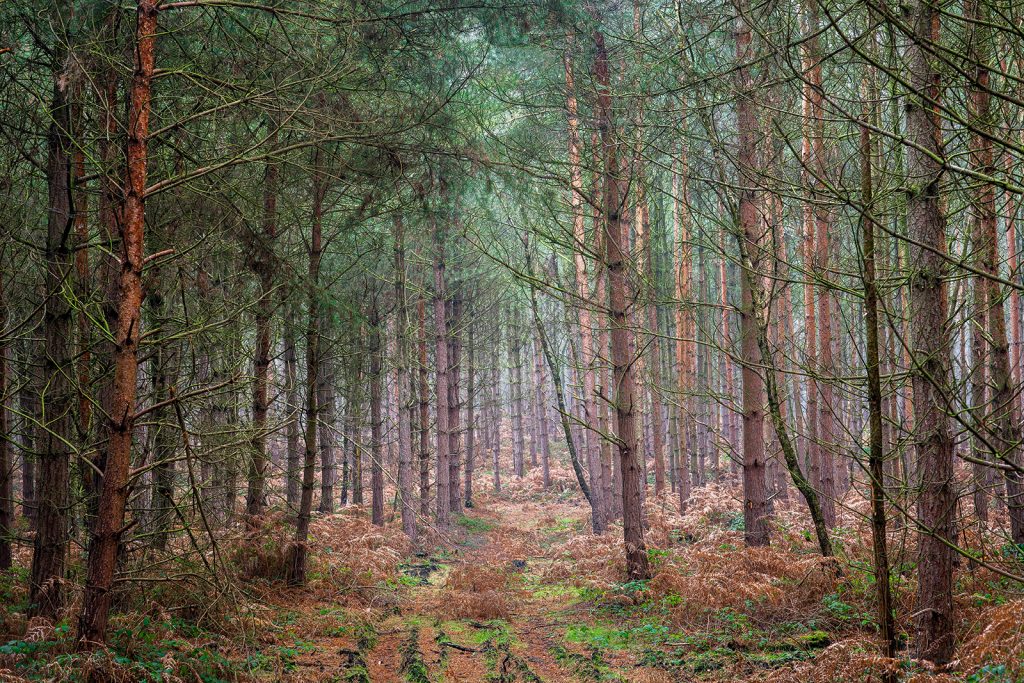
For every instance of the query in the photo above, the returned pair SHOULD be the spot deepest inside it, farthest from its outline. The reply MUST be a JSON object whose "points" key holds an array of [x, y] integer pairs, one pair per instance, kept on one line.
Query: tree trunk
{"points": [[424, 410], [263, 265], [29, 405], [542, 414], [516, 397], [616, 256], [376, 419], [876, 455], [297, 551], [49, 549], [404, 388], [726, 414], [6, 437], [755, 498], [442, 503], [455, 404], [592, 442], [683, 318], [327, 414], [109, 523], [470, 414], [496, 411], [291, 371], [165, 439], [355, 425], [930, 341]]}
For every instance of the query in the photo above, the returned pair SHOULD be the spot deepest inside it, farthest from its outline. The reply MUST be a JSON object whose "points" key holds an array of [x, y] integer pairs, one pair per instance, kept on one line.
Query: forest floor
{"points": [[520, 590], [489, 608]]}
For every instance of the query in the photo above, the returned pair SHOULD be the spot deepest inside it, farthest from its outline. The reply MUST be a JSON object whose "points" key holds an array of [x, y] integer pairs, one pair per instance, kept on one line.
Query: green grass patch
{"points": [[474, 525]]}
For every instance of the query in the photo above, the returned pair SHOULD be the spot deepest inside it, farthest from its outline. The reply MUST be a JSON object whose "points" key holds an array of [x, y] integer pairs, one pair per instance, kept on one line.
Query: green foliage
{"points": [[474, 525], [736, 523], [993, 673], [139, 655]]}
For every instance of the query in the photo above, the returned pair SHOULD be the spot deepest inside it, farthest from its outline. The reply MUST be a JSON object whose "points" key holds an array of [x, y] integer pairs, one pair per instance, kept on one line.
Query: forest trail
{"points": [[497, 606]]}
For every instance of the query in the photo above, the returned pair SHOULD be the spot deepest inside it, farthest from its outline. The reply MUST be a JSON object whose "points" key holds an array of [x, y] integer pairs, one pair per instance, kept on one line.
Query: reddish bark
{"points": [[109, 523], [1004, 417], [685, 328], [755, 495], [591, 443]]}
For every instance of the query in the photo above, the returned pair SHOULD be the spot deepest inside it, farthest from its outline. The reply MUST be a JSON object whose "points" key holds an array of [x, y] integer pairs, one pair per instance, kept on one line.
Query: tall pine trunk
{"points": [[109, 525], [404, 388], [297, 551], [755, 494], [930, 340], [592, 442], [423, 389], [263, 266], [376, 418], [442, 503], [616, 256], [50, 546]]}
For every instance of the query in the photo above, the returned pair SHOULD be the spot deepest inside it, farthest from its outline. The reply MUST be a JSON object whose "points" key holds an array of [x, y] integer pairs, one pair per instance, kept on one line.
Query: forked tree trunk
{"points": [[109, 525], [570, 442], [759, 308], [826, 422]]}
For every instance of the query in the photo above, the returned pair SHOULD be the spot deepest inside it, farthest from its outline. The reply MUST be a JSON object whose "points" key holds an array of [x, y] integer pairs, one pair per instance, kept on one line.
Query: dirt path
{"points": [[489, 609]]}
